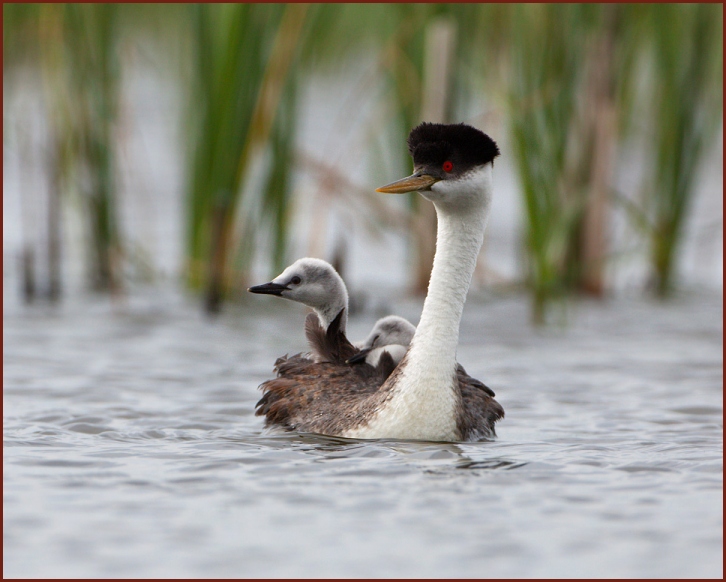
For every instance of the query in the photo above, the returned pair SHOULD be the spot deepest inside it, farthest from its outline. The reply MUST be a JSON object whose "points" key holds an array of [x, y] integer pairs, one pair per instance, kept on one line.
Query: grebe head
{"points": [[310, 281], [452, 166], [392, 334], [389, 330]]}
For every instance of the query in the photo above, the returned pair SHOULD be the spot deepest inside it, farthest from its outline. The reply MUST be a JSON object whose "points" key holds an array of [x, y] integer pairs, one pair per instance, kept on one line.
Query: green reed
{"points": [[243, 54], [545, 78], [247, 62], [687, 106]]}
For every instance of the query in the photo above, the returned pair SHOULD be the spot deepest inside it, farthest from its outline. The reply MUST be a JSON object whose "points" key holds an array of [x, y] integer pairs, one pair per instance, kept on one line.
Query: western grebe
{"points": [[424, 398]]}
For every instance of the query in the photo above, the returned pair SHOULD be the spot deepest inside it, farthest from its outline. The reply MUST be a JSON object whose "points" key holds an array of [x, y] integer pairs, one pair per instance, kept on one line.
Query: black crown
{"points": [[435, 143]]}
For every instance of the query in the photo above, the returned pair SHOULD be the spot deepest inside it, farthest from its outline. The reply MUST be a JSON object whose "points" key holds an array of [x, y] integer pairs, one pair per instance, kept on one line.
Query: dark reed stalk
{"points": [[54, 224], [600, 119], [84, 99]]}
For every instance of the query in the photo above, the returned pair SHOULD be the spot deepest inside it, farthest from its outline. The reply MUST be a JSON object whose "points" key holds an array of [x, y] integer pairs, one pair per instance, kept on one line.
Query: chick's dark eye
{"points": [[296, 280], [448, 166]]}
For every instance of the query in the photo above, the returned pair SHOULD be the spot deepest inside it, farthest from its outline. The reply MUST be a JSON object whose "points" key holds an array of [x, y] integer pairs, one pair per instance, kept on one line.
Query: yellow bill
{"points": [[413, 183]]}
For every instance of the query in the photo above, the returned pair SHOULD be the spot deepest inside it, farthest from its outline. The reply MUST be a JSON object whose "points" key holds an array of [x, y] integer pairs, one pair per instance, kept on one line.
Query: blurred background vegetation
{"points": [[574, 86]]}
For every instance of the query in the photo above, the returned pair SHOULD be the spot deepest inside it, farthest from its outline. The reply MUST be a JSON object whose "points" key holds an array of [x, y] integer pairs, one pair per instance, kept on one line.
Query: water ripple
{"points": [[132, 450]]}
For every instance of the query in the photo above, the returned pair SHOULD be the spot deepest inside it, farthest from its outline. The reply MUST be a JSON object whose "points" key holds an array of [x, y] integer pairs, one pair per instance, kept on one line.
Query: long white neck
{"points": [[424, 398], [458, 241]]}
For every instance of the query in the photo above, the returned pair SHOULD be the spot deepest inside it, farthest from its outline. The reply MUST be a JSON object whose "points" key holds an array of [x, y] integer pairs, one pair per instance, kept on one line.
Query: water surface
{"points": [[131, 449]]}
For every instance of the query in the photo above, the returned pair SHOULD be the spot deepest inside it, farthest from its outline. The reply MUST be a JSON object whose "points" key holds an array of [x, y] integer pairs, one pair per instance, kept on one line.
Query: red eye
{"points": [[448, 166]]}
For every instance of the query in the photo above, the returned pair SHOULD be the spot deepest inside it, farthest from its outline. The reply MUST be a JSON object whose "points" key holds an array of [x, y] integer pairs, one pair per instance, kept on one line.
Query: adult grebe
{"points": [[424, 398]]}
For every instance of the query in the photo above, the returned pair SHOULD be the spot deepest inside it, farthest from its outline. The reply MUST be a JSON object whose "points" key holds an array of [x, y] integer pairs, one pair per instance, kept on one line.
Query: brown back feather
{"points": [[331, 345], [385, 365], [328, 396], [320, 397], [479, 411], [462, 375]]}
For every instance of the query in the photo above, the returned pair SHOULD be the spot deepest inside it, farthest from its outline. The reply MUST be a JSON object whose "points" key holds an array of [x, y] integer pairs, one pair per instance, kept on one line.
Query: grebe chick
{"points": [[316, 283], [393, 334]]}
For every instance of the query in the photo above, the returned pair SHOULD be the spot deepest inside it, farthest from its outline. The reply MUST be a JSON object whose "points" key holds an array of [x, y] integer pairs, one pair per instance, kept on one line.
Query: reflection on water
{"points": [[131, 449]]}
